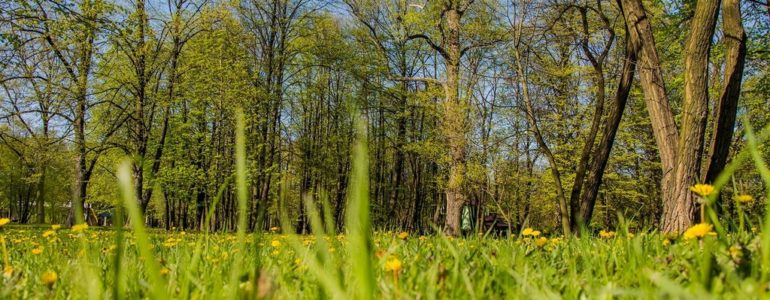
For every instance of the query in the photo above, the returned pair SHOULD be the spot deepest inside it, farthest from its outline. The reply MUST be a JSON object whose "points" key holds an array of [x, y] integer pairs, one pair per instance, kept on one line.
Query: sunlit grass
{"points": [[646, 265]]}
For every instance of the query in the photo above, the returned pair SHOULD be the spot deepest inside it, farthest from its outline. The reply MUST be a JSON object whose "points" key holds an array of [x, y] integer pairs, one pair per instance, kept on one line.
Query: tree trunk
{"points": [[612, 123], [453, 126], [140, 130], [562, 204], [726, 107], [681, 215], [681, 154]]}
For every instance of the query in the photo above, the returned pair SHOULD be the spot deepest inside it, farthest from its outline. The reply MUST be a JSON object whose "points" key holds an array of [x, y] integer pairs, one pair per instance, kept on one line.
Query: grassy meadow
{"points": [[81, 263]]}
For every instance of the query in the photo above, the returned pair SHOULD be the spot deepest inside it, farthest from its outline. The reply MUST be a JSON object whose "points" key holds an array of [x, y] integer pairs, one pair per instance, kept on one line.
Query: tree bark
{"points": [[651, 79], [727, 105], [680, 214], [681, 151], [453, 125]]}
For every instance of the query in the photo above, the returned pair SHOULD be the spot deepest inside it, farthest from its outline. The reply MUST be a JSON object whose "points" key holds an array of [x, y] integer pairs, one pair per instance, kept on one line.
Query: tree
{"points": [[681, 149], [452, 46]]}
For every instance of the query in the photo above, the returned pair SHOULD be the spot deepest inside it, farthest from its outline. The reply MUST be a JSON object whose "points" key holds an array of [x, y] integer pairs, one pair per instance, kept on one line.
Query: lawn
{"points": [[78, 263]]}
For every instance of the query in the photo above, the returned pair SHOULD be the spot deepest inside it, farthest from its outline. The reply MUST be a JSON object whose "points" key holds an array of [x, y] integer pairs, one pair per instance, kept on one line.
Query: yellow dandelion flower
{"points": [[164, 271], [666, 242], [4, 221], [744, 198], [37, 250], [393, 265], [49, 278], [527, 231], [541, 241], [79, 227], [422, 238], [56, 226], [698, 231], [275, 243], [403, 235], [702, 190], [7, 271], [48, 233], [606, 234]]}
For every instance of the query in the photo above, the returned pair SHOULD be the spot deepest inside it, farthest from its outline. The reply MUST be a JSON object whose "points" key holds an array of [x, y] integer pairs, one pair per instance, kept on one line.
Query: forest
{"points": [[384, 149], [549, 114]]}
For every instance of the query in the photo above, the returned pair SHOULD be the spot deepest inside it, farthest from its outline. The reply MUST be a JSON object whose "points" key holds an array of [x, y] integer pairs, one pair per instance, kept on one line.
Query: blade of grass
{"points": [[242, 195], [360, 246], [130, 201]]}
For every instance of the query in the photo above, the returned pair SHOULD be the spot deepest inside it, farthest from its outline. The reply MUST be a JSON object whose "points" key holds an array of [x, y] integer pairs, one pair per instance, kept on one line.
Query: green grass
{"points": [[433, 267]]}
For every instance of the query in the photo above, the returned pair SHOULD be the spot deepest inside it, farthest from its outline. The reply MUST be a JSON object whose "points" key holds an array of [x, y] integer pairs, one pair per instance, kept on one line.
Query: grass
{"points": [[133, 262], [643, 266]]}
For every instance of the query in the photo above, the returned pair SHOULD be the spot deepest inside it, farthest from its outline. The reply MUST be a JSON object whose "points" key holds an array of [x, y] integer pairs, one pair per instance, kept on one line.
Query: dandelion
{"points": [[79, 227], [702, 190], [735, 251], [403, 235], [48, 233], [744, 198], [393, 265], [606, 234], [275, 243], [527, 231], [541, 241], [4, 221], [37, 250], [164, 271], [171, 242], [49, 278], [7, 271], [422, 238], [698, 231], [55, 226]]}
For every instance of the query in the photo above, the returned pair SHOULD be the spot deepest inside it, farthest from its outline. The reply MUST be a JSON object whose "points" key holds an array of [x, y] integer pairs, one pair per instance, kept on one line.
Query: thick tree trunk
{"points": [[681, 215], [726, 107], [681, 154], [453, 125], [651, 79]]}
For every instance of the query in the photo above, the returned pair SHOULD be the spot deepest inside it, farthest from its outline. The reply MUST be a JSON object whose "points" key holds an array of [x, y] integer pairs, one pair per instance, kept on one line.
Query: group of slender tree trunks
{"points": [[301, 120]]}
